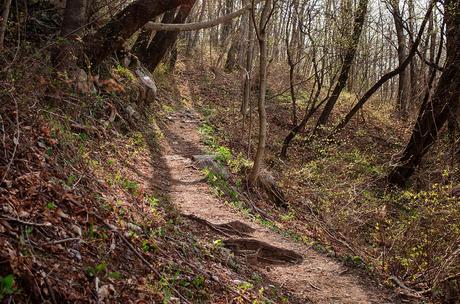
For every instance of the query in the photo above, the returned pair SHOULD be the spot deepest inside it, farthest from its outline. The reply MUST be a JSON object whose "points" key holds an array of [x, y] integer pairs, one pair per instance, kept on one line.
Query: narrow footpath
{"points": [[316, 278]]}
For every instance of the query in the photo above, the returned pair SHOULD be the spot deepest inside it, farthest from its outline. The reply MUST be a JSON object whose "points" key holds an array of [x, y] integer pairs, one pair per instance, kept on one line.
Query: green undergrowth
{"points": [[341, 183], [97, 171], [239, 165]]}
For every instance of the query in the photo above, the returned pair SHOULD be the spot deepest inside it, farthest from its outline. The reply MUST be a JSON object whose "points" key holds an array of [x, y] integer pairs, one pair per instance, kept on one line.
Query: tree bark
{"points": [[74, 17], [403, 84], [347, 62], [66, 54], [262, 137], [113, 35], [445, 100], [5, 14], [141, 48], [164, 41]]}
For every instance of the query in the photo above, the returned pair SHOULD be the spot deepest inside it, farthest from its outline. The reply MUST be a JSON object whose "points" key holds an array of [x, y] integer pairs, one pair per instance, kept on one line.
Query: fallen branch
{"points": [[407, 291], [174, 27]]}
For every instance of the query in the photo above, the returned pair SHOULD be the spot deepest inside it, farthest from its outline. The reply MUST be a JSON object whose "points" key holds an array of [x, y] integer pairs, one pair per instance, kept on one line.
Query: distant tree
{"points": [[404, 80], [4, 15], [350, 52]]}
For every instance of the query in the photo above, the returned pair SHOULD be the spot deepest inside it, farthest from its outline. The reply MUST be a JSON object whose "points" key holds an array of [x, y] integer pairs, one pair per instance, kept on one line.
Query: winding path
{"points": [[317, 279]]}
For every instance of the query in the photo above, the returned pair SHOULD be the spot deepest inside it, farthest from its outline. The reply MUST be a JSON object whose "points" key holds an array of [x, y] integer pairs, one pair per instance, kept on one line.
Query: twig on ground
{"points": [[8, 218], [15, 138], [55, 242], [408, 291]]}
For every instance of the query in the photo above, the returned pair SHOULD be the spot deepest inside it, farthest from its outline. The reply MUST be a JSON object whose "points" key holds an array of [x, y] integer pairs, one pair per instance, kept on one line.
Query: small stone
{"points": [[74, 253], [135, 228], [76, 229]]}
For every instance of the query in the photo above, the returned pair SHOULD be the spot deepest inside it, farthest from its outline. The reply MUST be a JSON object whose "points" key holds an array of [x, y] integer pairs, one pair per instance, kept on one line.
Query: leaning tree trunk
{"points": [[445, 100], [347, 62], [113, 35], [141, 48], [164, 41]]}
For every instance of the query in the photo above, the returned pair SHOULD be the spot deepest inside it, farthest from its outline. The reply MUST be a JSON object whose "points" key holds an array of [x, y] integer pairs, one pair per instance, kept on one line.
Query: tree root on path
{"points": [[263, 252], [227, 229]]}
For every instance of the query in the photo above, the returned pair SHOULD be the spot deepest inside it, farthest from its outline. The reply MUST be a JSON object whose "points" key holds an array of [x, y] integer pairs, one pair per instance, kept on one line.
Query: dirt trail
{"points": [[317, 279]]}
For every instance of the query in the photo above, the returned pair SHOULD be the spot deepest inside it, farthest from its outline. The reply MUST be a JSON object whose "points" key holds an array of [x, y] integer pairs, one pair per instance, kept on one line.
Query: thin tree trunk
{"points": [[5, 14], [347, 62], [261, 37], [403, 84]]}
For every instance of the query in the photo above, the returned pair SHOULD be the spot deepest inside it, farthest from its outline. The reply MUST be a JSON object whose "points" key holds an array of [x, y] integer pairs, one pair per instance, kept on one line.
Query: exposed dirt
{"points": [[317, 278]]}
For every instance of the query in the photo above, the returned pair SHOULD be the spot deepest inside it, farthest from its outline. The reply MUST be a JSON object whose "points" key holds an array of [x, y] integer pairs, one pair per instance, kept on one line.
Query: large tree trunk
{"points": [[74, 17], [445, 100], [347, 62], [113, 35], [65, 55], [232, 53], [164, 41], [144, 40]]}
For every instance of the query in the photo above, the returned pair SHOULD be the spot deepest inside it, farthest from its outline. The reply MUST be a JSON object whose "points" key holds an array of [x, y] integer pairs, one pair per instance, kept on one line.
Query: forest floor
{"points": [[317, 278], [100, 206]]}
